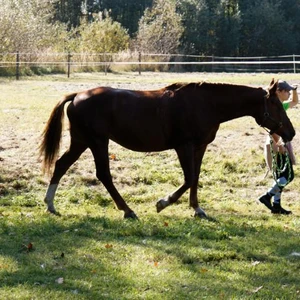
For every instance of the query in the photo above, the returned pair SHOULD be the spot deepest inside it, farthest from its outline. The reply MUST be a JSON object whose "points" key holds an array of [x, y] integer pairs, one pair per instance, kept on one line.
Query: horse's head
{"points": [[274, 116]]}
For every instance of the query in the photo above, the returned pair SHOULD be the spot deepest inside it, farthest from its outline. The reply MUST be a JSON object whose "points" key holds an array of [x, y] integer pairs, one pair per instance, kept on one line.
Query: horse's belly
{"points": [[141, 143]]}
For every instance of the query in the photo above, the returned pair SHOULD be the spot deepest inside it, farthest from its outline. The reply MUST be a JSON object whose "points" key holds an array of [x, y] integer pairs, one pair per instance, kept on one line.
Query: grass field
{"points": [[91, 252]]}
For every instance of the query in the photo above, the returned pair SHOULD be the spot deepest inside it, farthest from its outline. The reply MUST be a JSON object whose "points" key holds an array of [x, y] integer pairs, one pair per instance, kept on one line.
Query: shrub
{"points": [[103, 35]]}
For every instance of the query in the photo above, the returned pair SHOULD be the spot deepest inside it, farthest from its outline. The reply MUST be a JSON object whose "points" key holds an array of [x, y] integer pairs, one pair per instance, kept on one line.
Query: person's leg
{"points": [[277, 209], [284, 178]]}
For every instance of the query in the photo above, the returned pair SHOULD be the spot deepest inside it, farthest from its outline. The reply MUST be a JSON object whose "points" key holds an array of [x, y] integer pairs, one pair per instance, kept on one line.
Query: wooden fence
{"points": [[135, 61]]}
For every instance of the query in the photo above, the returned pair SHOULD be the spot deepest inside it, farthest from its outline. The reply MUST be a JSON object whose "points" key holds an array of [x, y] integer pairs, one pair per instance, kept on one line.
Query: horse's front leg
{"points": [[199, 212], [186, 157], [199, 153], [172, 198]]}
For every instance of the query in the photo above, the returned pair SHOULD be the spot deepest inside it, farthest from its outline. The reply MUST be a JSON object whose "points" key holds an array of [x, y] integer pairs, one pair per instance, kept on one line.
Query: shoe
{"points": [[266, 200], [277, 209]]}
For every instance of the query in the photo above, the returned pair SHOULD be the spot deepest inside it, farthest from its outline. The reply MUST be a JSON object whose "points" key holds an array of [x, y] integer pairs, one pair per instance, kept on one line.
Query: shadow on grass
{"points": [[96, 256]]}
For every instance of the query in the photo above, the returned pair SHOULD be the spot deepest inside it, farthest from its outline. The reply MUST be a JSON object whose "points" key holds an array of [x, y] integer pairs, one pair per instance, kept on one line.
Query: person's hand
{"points": [[282, 149], [295, 86]]}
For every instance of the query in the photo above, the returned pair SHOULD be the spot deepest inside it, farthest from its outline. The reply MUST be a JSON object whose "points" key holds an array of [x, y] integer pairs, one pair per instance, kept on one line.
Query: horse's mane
{"points": [[182, 85], [202, 84]]}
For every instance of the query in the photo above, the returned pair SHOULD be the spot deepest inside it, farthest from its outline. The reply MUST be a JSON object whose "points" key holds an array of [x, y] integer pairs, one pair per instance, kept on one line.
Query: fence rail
{"points": [[80, 62]]}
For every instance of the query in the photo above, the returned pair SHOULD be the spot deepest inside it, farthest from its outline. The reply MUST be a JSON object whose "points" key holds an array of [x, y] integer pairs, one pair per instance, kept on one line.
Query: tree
{"points": [[25, 25], [160, 28], [198, 36], [265, 31], [127, 13], [103, 35], [291, 14], [211, 27], [69, 12], [228, 28]]}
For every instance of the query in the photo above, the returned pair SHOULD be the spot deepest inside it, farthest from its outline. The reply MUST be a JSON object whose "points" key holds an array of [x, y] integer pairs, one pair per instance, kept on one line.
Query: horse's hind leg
{"points": [[61, 167], [100, 152]]}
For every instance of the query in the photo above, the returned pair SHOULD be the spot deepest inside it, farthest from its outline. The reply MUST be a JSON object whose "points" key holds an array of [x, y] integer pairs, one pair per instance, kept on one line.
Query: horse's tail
{"points": [[51, 135]]}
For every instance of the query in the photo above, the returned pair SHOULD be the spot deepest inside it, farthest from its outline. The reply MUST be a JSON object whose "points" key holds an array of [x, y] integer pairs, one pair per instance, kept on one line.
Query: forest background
{"points": [[200, 27]]}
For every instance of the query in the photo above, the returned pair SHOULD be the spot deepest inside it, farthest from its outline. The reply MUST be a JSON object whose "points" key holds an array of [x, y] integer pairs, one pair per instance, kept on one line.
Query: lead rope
{"points": [[283, 165]]}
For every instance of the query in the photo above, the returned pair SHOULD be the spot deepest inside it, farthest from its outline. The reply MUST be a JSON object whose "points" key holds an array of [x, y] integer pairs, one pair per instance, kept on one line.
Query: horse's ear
{"points": [[273, 86]]}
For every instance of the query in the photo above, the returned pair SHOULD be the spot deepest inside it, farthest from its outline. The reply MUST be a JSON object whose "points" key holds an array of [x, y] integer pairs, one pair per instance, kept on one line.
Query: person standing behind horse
{"points": [[279, 156]]}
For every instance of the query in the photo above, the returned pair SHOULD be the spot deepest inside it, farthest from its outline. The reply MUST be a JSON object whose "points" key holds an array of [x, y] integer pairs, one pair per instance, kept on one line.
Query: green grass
{"points": [[91, 252]]}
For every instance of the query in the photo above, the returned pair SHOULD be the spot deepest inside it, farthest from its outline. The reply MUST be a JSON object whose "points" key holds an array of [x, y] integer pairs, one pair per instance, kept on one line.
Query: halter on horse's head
{"points": [[275, 119]]}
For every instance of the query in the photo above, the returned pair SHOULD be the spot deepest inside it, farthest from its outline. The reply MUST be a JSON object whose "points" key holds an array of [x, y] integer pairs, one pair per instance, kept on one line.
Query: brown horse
{"points": [[184, 117]]}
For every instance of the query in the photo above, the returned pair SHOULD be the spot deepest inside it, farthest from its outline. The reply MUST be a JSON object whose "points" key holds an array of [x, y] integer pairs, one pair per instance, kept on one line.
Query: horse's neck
{"points": [[237, 106]]}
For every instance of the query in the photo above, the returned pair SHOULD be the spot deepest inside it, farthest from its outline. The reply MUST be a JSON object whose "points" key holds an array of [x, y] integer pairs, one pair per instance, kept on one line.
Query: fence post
{"points": [[294, 63], [105, 64], [17, 65], [140, 60], [69, 64]]}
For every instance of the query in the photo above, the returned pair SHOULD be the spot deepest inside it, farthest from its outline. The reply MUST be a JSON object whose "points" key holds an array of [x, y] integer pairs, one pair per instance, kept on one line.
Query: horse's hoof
{"points": [[200, 214], [130, 215], [53, 212], [160, 205]]}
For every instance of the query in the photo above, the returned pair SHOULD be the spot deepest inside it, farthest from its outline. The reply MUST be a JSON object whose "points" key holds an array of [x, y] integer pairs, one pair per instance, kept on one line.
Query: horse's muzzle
{"points": [[288, 137]]}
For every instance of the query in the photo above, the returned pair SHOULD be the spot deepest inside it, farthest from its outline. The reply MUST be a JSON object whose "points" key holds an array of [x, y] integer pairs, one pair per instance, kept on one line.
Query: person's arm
{"points": [[279, 143], [293, 101]]}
